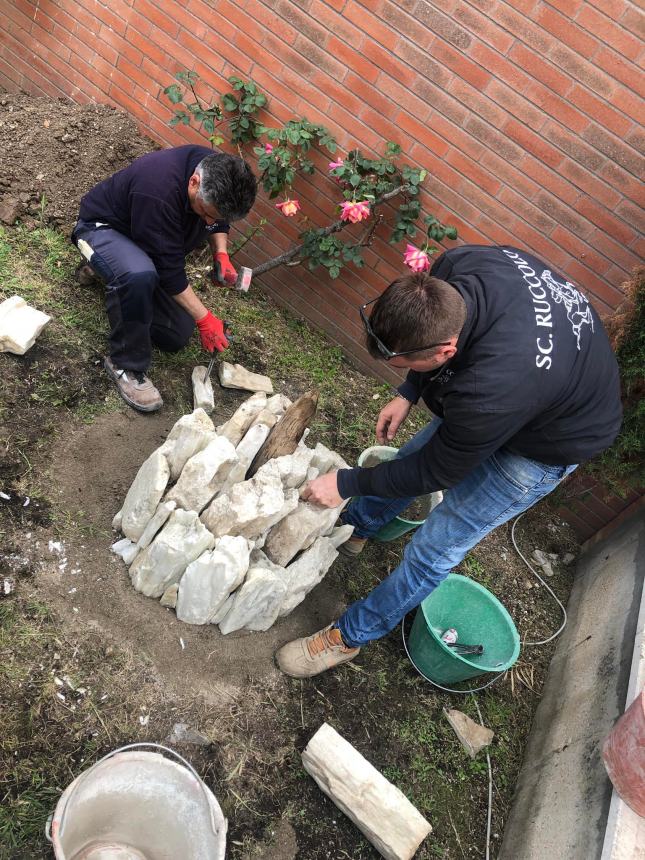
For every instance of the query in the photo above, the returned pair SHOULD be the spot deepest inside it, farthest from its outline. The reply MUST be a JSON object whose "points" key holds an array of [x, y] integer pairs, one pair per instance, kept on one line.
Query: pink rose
{"points": [[334, 164], [288, 207], [416, 259], [268, 147], [353, 211]]}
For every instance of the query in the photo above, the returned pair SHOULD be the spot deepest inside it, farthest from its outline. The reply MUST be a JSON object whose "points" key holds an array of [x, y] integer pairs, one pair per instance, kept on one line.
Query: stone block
{"points": [[169, 597], [251, 507], [472, 736], [204, 475], [292, 468], [237, 425], [20, 325], [298, 530], [189, 435], [326, 461], [265, 416], [126, 550], [158, 519], [144, 495], [380, 810], [246, 450], [307, 571], [203, 397], [183, 539], [210, 579], [236, 376], [256, 604], [278, 404]]}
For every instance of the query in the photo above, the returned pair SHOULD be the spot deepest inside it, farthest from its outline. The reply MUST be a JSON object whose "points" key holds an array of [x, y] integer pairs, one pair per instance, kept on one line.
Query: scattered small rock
{"points": [[10, 210], [544, 562], [472, 735], [183, 734], [568, 558]]}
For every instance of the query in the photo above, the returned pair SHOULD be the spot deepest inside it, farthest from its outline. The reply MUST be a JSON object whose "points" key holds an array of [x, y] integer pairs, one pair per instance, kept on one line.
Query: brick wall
{"points": [[524, 112]]}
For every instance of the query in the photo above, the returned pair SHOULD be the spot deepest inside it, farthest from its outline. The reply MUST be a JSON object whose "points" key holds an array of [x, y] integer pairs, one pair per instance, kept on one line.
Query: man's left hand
{"points": [[223, 268], [323, 491]]}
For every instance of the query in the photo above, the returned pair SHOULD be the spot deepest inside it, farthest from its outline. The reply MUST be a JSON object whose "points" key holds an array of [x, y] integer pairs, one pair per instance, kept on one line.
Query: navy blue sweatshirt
{"points": [[534, 373], [148, 203]]}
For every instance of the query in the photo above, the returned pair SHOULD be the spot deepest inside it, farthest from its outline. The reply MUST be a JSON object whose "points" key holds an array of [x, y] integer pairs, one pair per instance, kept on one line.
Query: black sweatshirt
{"points": [[534, 373], [148, 202]]}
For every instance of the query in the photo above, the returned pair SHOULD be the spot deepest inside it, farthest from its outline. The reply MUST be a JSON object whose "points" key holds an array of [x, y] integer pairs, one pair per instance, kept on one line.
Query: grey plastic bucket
{"points": [[399, 525], [138, 805]]}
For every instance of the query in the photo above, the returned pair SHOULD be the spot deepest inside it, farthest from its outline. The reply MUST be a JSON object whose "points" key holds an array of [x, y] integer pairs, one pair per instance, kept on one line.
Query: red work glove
{"points": [[211, 332], [223, 269]]}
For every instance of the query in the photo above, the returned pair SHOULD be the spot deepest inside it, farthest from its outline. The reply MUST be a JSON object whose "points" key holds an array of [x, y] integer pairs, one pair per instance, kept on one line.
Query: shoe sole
{"points": [[133, 404], [345, 550]]}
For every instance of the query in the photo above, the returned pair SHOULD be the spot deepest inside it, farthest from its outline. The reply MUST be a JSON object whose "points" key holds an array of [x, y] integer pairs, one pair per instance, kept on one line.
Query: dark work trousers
{"points": [[139, 311]]}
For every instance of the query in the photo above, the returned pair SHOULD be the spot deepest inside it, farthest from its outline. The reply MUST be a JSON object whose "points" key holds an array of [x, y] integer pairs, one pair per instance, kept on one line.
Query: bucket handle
{"points": [[139, 745]]}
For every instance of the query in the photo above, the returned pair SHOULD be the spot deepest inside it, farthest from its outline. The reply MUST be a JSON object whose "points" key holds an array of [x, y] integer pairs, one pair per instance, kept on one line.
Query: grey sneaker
{"points": [[134, 387]]}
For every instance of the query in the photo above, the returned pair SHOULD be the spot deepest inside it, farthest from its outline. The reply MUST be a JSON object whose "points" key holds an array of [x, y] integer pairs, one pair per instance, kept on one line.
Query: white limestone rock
{"points": [[158, 519], [326, 461], [117, 520], [189, 435], [183, 539], [472, 736], [251, 507], [246, 450], [292, 468], [203, 397], [256, 604], [278, 404], [144, 495], [236, 376], [259, 559], [237, 425], [265, 416], [169, 597], [298, 530], [306, 572], [379, 809], [20, 325], [204, 475], [210, 579], [340, 534], [125, 549]]}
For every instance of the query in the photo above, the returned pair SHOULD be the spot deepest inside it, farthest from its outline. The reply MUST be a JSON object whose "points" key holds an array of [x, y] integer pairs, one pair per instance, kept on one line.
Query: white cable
{"points": [[548, 588], [490, 789]]}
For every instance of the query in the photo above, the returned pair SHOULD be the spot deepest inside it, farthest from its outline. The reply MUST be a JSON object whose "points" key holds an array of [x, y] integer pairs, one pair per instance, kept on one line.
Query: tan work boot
{"points": [[312, 655], [134, 387], [352, 547], [86, 276]]}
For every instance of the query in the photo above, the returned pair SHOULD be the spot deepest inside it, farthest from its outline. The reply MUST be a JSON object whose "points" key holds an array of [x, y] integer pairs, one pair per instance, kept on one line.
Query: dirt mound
{"points": [[54, 151]]}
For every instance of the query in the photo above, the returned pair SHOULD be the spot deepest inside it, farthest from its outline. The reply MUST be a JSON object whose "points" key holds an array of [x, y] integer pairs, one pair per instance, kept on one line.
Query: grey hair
{"points": [[228, 183]]}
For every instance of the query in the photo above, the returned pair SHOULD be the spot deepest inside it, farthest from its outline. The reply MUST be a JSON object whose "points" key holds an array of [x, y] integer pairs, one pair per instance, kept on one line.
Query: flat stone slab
{"points": [[144, 495], [472, 736], [237, 425], [204, 475], [189, 435], [20, 325], [203, 397], [236, 376]]}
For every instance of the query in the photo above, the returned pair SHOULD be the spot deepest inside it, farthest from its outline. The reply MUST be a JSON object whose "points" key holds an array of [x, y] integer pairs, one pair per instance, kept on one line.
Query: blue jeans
{"points": [[498, 489], [139, 311]]}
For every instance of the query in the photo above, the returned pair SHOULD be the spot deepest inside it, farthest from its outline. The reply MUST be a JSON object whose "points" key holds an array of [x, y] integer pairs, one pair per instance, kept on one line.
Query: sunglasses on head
{"points": [[385, 352]]}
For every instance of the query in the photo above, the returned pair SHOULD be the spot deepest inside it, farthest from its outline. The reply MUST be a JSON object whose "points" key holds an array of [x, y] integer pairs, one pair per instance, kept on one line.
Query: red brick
{"points": [[86, 19], [370, 96], [622, 70], [483, 28], [539, 68], [425, 64], [546, 179], [265, 17], [609, 32], [105, 15], [472, 171], [509, 175], [633, 20], [516, 104], [422, 134], [606, 220], [581, 250], [371, 25], [353, 59], [390, 65], [628, 184], [460, 65], [493, 139], [451, 133], [574, 147], [351, 132], [400, 96], [52, 14], [196, 47], [581, 69], [618, 254], [535, 215], [587, 182], [567, 32], [582, 529], [615, 8], [533, 143], [633, 215], [587, 515], [568, 7], [599, 110]]}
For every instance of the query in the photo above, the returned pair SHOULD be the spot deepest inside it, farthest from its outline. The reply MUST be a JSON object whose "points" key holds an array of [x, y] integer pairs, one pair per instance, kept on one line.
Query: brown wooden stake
{"points": [[284, 437]]}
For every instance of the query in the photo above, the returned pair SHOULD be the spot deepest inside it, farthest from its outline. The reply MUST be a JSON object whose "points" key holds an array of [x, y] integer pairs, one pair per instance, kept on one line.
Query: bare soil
{"points": [[69, 449]]}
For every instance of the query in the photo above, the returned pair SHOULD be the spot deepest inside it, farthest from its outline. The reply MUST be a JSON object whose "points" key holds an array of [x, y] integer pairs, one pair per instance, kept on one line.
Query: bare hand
{"points": [[322, 491], [390, 418]]}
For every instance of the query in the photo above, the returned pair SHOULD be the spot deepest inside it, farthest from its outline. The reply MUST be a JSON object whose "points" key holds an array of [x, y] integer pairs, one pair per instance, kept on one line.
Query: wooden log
{"points": [[286, 434], [380, 811]]}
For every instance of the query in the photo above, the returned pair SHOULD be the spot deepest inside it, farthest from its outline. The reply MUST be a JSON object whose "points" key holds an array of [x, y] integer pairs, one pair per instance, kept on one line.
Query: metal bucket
{"points": [[138, 805]]}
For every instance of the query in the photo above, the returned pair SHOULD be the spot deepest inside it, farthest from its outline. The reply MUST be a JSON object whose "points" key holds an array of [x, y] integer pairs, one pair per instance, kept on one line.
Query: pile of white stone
{"points": [[218, 548]]}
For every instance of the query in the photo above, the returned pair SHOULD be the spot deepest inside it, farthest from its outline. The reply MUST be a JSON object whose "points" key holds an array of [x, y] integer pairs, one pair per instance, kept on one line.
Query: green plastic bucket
{"points": [[399, 525], [479, 619]]}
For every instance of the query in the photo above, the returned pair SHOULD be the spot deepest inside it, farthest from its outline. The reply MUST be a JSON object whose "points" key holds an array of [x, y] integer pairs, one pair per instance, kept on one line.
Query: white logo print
{"points": [[577, 306]]}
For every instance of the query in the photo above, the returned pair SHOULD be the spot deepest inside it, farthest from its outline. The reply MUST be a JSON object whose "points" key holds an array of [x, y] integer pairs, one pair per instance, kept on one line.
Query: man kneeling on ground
{"points": [[516, 366], [135, 229]]}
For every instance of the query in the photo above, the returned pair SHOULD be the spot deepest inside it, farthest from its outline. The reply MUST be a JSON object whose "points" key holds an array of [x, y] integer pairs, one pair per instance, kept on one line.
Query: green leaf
{"points": [[230, 102], [174, 93], [451, 232], [354, 180], [216, 139]]}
